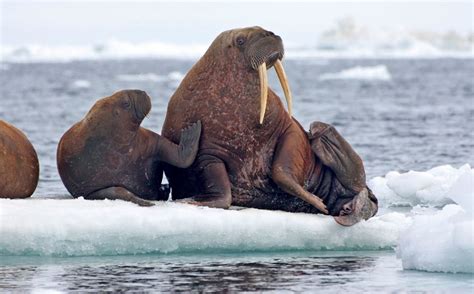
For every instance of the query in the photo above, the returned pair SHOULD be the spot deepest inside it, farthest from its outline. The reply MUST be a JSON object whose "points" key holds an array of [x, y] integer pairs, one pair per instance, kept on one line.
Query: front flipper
{"points": [[117, 193], [288, 165], [216, 186], [181, 155]]}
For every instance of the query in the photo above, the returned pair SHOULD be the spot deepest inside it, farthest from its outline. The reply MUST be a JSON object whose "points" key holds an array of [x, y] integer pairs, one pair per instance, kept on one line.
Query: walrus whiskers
{"points": [[284, 84], [262, 72]]}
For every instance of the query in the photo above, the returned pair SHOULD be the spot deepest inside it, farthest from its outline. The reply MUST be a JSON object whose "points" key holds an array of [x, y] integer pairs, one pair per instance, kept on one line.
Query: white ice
{"points": [[151, 77], [413, 187], [378, 72], [81, 227], [81, 84], [442, 241], [433, 237]]}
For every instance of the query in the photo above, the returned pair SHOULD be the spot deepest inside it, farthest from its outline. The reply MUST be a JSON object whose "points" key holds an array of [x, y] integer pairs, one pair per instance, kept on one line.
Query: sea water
{"points": [[409, 119]]}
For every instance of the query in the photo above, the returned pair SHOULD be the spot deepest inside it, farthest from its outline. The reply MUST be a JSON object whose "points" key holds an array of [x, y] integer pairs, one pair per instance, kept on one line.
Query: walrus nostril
{"points": [[346, 209]]}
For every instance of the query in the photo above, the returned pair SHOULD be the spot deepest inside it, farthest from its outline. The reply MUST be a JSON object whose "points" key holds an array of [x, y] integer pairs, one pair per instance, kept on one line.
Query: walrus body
{"points": [[108, 154], [19, 167], [244, 163]]}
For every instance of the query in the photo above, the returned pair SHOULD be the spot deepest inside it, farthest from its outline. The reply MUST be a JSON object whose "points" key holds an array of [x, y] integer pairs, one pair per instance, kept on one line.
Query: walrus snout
{"points": [[266, 48], [263, 53], [361, 207], [141, 103]]}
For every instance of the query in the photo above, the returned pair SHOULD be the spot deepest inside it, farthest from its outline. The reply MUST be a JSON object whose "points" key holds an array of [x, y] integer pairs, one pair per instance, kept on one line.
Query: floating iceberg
{"points": [[413, 188], [443, 241], [81, 84], [378, 72], [151, 77]]}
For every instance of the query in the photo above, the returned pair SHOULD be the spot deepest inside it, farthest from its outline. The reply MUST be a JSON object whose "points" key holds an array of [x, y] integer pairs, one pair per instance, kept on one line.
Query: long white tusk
{"points": [[285, 85], [262, 72]]}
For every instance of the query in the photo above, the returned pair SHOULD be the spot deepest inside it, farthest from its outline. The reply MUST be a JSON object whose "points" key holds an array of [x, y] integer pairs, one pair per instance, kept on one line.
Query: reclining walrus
{"points": [[262, 160], [108, 155], [19, 166]]}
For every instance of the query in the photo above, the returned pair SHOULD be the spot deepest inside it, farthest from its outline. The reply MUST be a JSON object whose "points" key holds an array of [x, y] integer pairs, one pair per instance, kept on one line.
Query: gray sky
{"points": [[86, 22]]}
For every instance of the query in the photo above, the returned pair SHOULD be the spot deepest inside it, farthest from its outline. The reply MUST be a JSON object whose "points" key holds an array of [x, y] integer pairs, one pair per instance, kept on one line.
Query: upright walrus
{"points": [[108, 155], [19, 166], [261, 159]]}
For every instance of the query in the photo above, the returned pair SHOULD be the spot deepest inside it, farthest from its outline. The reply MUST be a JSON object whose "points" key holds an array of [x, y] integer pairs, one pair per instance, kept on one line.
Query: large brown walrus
{"points": [[19, 166], [260, 159], [107, 155]]}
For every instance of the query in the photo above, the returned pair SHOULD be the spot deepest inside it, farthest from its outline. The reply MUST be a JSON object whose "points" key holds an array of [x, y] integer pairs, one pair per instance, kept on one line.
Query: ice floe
{"points": [[378, 72]]}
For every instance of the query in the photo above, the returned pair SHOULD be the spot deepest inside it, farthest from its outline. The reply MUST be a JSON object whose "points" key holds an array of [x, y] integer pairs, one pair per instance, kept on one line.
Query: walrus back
{"points": [[78, 161], [19, 166]]}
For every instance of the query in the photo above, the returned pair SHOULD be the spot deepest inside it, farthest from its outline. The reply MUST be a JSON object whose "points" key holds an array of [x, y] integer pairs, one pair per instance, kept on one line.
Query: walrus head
{"points": [[363, 206], [124, 110], [261, 50]]}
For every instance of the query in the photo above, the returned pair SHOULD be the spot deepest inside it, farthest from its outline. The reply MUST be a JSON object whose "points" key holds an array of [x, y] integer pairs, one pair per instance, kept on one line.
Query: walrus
{"points": [[261, 159], [109, 155], [19, 166]]}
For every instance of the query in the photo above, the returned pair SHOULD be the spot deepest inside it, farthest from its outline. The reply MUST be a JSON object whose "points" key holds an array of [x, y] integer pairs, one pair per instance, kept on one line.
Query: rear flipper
{"points": [[337, 154], [118, 193], [216, 186]]}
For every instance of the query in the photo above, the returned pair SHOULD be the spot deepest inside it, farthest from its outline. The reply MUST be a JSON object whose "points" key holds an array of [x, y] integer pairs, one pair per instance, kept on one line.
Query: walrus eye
{"points": [[240, 41], [126, 104]]}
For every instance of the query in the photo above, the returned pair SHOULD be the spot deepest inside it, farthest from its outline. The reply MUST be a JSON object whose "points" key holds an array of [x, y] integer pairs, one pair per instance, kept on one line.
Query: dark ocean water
{"points": [[353, 272], [419, 118]]}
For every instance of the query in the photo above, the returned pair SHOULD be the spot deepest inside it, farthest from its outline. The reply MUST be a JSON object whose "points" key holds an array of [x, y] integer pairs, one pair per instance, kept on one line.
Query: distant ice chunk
{"points": [[175, 75], [81, 84], [79, 227], [111, 49], [412, 188], [378, 72], [151, 77], [144, 77]]}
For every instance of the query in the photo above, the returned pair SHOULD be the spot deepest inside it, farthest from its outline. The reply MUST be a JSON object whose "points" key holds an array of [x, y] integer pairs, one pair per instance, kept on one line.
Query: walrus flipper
{"points": [[286, 168], [181, 155], [118, 193], [215, 184]]}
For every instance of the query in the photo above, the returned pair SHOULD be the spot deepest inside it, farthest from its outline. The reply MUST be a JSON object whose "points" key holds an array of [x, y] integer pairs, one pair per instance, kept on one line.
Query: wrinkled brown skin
{"points": [[241, 162], [19, 166], [108, 155]]}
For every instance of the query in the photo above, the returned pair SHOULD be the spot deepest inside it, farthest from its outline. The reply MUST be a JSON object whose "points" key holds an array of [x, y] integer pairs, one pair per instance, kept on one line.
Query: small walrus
{"points": [[19, 166], [107, 155]]}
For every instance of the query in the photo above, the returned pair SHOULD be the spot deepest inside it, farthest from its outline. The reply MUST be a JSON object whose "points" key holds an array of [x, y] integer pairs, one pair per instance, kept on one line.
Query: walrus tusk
{"points": [[284, 84], [262, 72]]}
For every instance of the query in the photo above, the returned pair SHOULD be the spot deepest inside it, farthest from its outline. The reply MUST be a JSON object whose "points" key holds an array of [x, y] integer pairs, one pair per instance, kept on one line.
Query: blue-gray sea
{"points": [[419, 116]]}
